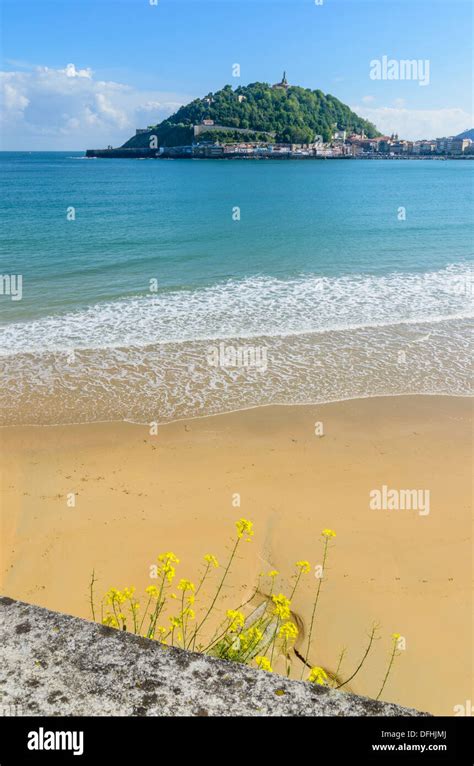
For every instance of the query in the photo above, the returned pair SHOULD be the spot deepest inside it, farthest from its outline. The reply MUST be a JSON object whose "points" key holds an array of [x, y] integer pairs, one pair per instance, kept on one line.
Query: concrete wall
{"points": [[53, 664]]}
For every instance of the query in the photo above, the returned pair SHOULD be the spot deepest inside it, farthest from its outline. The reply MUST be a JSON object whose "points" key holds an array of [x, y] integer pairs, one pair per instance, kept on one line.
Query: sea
{"points": [[157, 290]]}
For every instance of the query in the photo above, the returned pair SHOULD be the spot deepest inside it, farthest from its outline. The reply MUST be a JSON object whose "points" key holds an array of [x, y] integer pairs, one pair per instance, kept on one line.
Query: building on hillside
{"points": [[381, 143], [283, 85], [339, 135]]}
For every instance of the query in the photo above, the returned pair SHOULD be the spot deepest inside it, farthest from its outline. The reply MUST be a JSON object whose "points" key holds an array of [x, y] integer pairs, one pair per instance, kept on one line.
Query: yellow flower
{"points": [[168, 571], [134, 606], [175, 622], [162, 632], [244, 527], [396, 636], [152, 591], [288, 631], [168, 558], [248, 639], [282, 606], [189, 613], [263, 663], [128, 592], [186, 585], [304, 566], [252, 636], [318, 676], [236, 618], [210, 559], [273, 573], [328, 533], [115, 596], [110, 621], [191, 599]]}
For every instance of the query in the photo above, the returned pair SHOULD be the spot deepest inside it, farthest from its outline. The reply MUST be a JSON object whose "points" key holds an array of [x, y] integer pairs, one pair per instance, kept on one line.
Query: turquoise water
{"points": [[318, 268]]}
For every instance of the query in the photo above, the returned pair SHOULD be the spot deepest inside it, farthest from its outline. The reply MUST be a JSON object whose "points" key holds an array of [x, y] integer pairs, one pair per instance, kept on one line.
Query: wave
{"points": [[165, 382], [248, 308]]}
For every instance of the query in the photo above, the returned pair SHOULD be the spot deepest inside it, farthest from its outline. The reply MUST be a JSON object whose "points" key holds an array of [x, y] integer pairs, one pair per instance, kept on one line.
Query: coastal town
{"points": [[342, 146]]}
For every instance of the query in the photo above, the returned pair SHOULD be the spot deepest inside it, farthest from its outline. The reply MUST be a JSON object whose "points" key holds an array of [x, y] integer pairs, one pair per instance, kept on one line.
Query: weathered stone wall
{"points": [[53, 664]]}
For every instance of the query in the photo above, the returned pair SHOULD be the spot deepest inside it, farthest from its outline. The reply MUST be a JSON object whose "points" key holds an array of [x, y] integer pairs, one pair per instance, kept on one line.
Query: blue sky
{"points": [[133, 63]]}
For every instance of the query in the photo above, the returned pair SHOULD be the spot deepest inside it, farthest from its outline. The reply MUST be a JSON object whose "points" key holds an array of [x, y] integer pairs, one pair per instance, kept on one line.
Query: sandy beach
{"points": [[137, 495]]}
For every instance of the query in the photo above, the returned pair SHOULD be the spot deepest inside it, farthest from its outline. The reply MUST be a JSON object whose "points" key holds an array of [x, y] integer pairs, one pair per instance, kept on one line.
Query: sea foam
{"points": [[256, 306]]}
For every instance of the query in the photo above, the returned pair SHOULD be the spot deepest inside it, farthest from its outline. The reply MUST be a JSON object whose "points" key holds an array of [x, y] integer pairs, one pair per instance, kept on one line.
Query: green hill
{"points": [[294, 115]]}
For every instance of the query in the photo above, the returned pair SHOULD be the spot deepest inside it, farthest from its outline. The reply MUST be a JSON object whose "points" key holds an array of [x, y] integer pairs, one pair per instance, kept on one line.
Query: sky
{"points": [[79, 74]]}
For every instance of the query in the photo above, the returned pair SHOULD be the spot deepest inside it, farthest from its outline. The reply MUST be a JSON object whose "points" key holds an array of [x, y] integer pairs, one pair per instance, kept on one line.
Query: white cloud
{"points": [[415, 124], [368, 99], [14, 101], [46, 108], [71, 71]]}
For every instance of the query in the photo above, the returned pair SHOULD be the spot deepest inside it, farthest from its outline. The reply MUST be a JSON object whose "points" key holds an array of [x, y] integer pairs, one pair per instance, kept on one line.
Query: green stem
{"points": [[158, 608], [91, 589], [144, 615], [296, 585], [392, 658], [274, 640], [216, 640], [371, 640], [198, 628], [134, 616], [202, 580], [310, 634], [336, 672], [183, 620], [116, 615]]}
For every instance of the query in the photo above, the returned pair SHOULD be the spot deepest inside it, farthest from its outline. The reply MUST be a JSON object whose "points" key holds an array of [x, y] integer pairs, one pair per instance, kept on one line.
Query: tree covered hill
{"points": [[294, 115]]}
